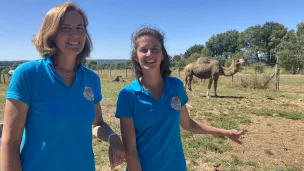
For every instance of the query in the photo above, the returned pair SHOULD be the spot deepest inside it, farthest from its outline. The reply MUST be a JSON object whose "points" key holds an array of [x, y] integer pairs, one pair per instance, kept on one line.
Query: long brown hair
{"points": [[44, 40], [148, 31]]}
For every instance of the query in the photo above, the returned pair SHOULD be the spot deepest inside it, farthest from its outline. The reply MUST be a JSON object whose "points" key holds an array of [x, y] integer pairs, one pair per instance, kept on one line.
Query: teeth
{"points": [[150, 61], [73, 43]]}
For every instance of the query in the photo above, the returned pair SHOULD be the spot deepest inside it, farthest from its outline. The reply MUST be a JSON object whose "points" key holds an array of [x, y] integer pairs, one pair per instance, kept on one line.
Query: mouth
{"points": [[150, 61], [73, 43]]}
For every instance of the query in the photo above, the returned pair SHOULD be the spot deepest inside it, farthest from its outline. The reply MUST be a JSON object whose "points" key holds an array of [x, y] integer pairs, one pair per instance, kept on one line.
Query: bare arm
{"points": [[191, 125], [129, 141], [14, 120], [100, 128]]}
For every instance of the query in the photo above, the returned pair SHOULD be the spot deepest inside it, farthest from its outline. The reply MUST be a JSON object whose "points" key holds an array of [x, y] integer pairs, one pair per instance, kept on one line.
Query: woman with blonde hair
{"points": [[53, 104]]}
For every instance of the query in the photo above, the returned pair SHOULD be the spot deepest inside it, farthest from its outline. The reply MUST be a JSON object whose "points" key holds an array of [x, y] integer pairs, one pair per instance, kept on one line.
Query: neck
{"points": [[65, 62], [151, 80], [230, 71]]}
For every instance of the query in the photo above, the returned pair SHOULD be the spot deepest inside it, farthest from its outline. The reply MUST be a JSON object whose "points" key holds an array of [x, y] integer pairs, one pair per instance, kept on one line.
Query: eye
{"points": [[80, 29], [144, 50], [155, 49], [65, 29]]}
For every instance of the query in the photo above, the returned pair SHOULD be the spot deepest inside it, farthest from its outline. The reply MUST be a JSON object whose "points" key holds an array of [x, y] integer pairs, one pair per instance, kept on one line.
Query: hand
{"points": [[117, 153], [235, 135]]}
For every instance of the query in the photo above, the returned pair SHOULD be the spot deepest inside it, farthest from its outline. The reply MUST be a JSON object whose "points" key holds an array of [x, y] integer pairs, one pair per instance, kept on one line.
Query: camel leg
{"points": [[209, 86], [215, 86], [186, 82], [190, 78]]}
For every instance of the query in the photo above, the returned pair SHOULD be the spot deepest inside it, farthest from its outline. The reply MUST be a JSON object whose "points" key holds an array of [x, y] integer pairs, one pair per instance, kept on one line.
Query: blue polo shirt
{"points": [[157, 124], [58, 130]]}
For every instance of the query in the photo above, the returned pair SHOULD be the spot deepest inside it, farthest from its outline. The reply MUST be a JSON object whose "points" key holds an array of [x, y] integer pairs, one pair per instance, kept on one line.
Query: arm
{"points": [[100, 128], [129, 141], [191, 125], [14, 120], [103, 131]]}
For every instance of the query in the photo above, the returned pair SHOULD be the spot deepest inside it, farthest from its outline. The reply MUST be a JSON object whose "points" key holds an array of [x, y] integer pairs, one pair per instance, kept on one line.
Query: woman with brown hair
{"points": [[153, 107], [53, 104]]}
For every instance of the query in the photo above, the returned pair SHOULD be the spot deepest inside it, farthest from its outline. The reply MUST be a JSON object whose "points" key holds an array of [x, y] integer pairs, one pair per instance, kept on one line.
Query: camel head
{"points": [[238, 62]]}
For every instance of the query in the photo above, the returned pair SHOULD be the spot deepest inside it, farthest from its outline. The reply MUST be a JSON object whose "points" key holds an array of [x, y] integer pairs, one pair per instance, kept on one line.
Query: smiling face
{"points": [[149, 53], [71, 36]]}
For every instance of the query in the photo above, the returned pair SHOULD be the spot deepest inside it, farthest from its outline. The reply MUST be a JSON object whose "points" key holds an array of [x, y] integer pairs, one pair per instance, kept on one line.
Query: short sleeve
{"points": [[21, 84], [124, 105], [98, 94], [183, 95]]}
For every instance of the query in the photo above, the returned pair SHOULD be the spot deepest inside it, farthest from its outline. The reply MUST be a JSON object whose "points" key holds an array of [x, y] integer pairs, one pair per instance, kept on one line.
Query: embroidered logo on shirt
{"points": [[175, 103], [88, 93]]}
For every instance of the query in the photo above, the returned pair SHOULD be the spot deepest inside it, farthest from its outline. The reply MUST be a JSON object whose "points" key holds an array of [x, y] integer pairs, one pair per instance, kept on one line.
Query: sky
{"points": [[112, 22]]}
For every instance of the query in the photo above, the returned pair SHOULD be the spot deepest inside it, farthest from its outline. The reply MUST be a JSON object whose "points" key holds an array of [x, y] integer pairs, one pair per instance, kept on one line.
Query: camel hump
{"points": [[188, 67], [203, 60]]}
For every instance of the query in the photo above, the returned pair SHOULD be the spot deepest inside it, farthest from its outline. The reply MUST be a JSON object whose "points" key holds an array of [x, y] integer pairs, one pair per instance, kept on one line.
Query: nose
{"points": [[148, 53], [74, 32]]}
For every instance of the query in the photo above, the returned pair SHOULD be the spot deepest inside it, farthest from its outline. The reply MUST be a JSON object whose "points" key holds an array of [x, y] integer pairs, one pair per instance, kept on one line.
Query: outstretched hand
{"points": [[117, 153], [235, 135]]}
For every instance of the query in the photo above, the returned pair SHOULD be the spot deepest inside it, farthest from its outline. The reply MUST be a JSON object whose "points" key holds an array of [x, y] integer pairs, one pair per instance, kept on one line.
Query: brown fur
{"points": [[206, 68]]}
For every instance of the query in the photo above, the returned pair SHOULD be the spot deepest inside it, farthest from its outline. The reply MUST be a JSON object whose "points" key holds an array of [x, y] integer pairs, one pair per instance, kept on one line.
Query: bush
{"points": [[258, 67], [254, 81], [228, 63]]}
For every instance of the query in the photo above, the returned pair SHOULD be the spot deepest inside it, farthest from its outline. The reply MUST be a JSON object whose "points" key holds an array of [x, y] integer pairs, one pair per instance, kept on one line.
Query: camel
{"points": [[205, 68]]}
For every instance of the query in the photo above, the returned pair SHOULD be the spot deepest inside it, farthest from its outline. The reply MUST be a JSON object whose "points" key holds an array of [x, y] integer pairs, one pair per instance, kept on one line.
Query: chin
{"points": [[151, 69], [74, 51]]}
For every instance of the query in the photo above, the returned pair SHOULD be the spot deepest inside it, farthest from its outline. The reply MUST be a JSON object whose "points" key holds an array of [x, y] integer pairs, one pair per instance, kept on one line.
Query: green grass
{"points": [[203, 144], [281, 113], [230, 112], [231, 121], [288, 105]]}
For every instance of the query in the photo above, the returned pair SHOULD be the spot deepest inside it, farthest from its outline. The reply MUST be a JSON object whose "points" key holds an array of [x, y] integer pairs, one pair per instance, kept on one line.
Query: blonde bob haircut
{"points": [[44, 40]]}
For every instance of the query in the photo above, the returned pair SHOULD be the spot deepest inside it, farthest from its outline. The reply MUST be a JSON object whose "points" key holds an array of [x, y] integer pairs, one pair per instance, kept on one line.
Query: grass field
{"points": [[274, 122]]}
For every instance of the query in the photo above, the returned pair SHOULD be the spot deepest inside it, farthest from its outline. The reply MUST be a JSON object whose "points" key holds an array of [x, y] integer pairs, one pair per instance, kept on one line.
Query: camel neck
{"points": [[229, 71]]}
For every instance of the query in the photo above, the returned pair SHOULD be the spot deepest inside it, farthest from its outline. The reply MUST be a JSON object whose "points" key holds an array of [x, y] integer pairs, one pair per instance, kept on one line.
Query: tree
{"points": [[250, 42], [193, 49], [260, 42], [175, 59], [92, 64], [291, 50], [222, 44], [193, 57], [273, 33], [181, 63], [15, 65], [3, 70]]}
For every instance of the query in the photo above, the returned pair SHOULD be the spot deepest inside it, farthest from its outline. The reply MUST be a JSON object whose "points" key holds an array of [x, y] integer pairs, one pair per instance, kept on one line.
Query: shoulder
{"points": [[90, 73], [126, 92], [175, 81], [30, 67]]}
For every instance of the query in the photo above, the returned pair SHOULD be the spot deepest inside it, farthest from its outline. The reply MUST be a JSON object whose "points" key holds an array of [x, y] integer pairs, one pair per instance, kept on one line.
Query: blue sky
{"points": [[111, 23]]}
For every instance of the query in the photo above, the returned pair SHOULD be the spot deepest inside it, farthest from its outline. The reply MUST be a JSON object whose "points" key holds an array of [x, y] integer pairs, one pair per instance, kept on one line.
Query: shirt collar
{"points": [[49, 62], [136, 85]]}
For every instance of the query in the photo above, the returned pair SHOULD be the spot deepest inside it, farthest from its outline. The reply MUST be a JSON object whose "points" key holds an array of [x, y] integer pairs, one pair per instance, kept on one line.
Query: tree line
{"points": [[257, 44]]}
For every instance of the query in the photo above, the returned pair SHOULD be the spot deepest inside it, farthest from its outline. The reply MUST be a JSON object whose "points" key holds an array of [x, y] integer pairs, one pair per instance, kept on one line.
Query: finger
{"points": [[238, 141], [242, 132]]}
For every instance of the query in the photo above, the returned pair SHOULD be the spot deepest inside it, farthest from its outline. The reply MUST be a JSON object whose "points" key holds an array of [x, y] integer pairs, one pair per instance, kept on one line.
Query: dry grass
{"points": [[270, 118]]}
